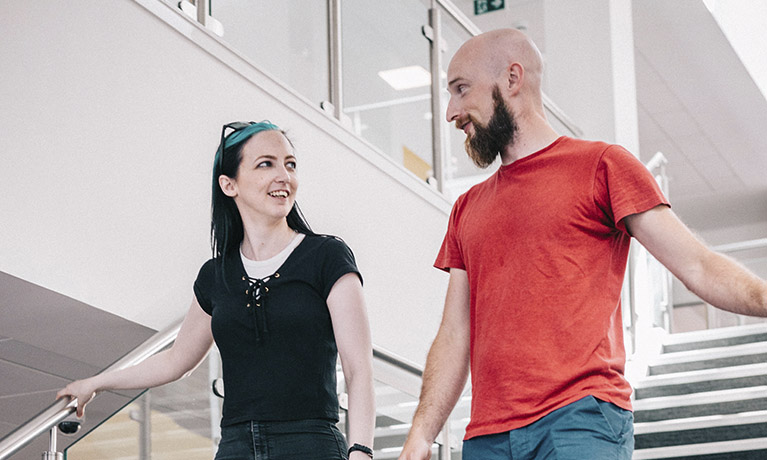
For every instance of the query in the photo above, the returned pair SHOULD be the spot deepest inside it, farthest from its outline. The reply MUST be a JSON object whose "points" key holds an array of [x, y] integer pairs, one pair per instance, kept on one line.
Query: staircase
{"points": [[705, 397]]}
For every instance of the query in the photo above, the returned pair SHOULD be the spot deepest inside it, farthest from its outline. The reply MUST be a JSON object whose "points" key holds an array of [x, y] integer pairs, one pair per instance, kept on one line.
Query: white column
{"points": [[588, 49]]}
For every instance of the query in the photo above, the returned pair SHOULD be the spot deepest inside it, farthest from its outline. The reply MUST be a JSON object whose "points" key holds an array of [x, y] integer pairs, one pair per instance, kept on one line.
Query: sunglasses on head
{"points": [[234, 127]]}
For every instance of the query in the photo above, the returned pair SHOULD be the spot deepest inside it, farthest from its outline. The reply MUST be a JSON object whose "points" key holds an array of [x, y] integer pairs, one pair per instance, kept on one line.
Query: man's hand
{"points": [[416, 449]]}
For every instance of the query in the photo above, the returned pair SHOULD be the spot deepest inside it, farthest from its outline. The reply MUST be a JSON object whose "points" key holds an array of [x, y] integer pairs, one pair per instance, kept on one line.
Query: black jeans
{"points": [[292, 440]]}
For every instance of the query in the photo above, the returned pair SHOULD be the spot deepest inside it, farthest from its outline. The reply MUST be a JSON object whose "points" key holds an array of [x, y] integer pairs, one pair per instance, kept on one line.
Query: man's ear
{"points": [[228, 185], [515, 74]]}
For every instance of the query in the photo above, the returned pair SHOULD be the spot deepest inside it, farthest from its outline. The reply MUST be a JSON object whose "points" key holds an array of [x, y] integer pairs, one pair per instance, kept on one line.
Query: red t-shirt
{"points": [[545, 249]]}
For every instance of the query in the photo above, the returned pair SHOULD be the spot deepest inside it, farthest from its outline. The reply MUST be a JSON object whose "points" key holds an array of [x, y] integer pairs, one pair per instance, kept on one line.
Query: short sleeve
{"points": [[624, 186], [450, 255], [203, 286], [338, 260]]}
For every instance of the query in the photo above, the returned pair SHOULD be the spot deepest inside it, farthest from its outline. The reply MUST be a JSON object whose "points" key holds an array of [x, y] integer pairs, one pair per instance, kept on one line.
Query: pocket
{"points": [[620, 421]]}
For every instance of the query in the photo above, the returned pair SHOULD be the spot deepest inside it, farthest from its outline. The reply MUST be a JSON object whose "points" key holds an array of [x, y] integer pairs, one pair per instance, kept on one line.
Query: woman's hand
{"points": [[84, 390]]}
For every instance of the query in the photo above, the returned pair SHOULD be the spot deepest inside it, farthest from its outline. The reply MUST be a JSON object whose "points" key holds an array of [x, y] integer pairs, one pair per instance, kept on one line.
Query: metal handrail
{"points": [[416, 370], [62, 408], [397, 361], [742, 245]]}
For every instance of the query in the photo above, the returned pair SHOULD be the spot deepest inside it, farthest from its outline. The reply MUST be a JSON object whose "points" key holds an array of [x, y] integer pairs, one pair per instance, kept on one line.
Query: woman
{"points": [[281, 302]]}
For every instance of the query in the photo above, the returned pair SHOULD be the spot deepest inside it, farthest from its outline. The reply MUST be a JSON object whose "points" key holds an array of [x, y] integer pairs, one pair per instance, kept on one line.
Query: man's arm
{"points": [[447, 367], [714, 277]]}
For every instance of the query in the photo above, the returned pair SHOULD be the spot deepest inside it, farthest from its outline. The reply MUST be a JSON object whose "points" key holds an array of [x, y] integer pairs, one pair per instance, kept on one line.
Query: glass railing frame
{"points": [[48, 419], [432, 31], [63, 408]]}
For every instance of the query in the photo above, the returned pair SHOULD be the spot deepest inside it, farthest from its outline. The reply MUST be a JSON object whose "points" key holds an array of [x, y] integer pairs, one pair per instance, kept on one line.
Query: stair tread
{"points": [[689, 450], [709, 353], [694, 423], [701, 375], [714, 334], [708, 397]]}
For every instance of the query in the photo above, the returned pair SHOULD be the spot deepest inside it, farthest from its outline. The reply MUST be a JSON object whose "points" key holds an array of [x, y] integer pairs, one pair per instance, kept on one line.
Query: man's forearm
{"points": [[447, 368]]}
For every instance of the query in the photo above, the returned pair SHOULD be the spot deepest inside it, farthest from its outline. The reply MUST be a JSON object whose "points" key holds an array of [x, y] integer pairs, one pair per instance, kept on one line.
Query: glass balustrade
{"points": [[180, 421], [386, 79], [175, 421], [385, 75], [691, 313], [288, 40]]}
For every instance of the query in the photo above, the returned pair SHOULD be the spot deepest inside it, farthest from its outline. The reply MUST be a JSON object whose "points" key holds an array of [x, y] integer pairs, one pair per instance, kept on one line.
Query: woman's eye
{"points": [[264, 164], [291, 164]]}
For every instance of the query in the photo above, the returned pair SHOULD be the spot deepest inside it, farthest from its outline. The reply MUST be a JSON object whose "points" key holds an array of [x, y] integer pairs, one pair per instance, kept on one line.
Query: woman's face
{"points": [[266, 182]]}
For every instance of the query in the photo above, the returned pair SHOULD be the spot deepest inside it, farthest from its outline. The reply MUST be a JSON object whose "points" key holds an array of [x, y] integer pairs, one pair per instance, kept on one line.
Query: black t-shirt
{"points": [[275, 334]]}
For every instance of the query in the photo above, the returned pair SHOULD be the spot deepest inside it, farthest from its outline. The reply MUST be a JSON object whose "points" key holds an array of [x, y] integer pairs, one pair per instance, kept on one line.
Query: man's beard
{"points": [[487, 142]]}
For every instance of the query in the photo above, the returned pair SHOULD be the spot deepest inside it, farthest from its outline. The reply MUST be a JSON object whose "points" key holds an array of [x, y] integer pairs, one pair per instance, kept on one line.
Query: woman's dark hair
{"points": [[226, 231]]}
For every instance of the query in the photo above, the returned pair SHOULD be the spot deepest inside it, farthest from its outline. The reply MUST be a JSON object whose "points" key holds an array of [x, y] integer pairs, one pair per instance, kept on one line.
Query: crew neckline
{"points": [[282, 255], [533, 155]]}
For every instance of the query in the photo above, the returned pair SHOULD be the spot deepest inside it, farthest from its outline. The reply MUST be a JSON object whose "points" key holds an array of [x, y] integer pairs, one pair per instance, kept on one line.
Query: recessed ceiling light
{"points": [[413, 76]]}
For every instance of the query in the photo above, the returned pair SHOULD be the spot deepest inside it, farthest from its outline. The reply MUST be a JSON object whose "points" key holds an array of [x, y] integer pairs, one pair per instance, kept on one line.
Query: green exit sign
{"points": [[486, 6]]}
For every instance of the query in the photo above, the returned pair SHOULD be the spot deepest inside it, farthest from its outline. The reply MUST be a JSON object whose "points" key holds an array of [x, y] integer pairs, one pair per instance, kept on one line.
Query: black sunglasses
{"points": [[234, 126]]}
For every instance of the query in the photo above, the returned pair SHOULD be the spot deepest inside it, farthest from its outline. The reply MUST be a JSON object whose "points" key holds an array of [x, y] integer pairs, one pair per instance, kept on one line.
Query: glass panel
{"points": [[288, 40], [460, 171], [691, 313], [184, 419], [394, 116], [394, 414]]}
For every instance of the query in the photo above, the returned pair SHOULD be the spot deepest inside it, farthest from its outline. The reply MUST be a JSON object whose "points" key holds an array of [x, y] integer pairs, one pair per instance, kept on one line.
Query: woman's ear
{"points": [[228, 185]]}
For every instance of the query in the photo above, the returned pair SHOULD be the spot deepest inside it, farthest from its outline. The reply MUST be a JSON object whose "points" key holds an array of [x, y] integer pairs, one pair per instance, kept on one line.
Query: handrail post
{"points": [[335, 64], [443, 453], [203, 7], [63, 407], [435, 61], [52, 454]]}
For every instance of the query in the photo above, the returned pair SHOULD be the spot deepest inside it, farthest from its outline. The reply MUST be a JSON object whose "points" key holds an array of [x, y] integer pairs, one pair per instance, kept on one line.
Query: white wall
{"points": [[111, 115]]}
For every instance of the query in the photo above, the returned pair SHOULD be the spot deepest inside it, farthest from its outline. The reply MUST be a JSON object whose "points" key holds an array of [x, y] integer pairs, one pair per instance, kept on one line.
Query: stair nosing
{"points": [[701, 375], [704, 354], [696, 399], [707, 448], [714, 334], [701, 422]]}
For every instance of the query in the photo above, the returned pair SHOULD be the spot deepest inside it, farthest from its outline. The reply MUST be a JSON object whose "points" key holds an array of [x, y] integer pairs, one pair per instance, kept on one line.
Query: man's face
{"points": [[487, 141], [477, 107]]}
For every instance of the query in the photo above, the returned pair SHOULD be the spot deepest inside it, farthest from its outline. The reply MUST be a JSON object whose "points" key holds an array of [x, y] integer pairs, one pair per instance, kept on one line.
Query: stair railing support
{"points": [[52, 453]]}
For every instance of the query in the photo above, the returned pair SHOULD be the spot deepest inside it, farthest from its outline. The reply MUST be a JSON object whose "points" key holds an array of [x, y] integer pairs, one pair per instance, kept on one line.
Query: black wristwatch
{"points": [[364, 449]]}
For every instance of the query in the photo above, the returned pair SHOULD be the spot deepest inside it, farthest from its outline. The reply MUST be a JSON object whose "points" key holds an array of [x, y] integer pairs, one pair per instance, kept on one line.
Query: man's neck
{"points": [[530, 139]]}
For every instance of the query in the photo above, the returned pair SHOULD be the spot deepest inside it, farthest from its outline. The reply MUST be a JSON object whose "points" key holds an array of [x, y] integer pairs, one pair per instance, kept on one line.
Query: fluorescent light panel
{"points": [[409, 77]]}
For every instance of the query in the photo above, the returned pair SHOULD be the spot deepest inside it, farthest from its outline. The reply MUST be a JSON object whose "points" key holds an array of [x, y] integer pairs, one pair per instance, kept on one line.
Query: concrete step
{"points": [[699, 430], [715, 338], [700, 381], [710, 358], [746, 449], [701, 404]]}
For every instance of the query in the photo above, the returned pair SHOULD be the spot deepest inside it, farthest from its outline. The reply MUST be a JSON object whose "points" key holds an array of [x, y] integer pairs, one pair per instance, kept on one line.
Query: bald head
{"points": [[495, 51]]}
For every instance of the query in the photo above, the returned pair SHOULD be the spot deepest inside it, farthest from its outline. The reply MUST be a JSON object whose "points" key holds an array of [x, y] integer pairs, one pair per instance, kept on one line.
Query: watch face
{"points": [[218, 387]]}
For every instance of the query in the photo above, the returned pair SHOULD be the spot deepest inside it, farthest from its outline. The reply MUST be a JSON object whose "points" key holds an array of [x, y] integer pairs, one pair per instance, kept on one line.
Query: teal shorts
{"points": [[586, 429]]}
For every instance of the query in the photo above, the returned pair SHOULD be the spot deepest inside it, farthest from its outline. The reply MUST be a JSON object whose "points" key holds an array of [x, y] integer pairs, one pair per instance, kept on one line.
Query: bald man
{"points": [[536, 256]]}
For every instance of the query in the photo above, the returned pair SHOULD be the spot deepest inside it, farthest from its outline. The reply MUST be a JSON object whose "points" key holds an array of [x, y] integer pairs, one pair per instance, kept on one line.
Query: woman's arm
{"points": [[352, 331], [189, 349]]}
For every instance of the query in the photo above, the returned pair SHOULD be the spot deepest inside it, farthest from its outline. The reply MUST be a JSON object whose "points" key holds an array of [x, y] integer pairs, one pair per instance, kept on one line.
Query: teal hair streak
{"points": [[244, 134]]}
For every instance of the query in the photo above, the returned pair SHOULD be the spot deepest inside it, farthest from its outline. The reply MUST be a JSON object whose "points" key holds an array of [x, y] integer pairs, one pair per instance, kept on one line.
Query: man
{"points": [[536, 256]]}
